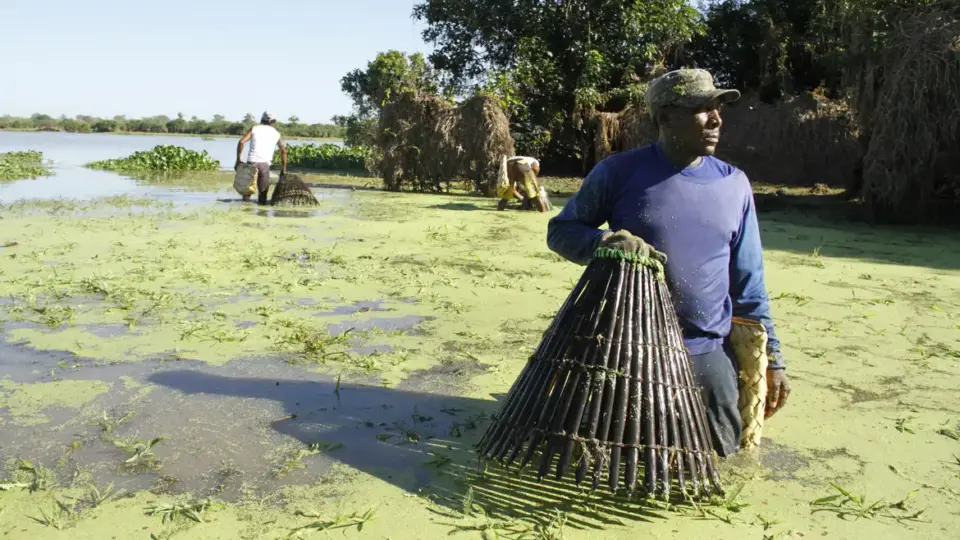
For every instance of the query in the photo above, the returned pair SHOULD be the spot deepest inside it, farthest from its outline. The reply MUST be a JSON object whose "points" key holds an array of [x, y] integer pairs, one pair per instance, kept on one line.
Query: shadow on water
{"points": [[806, 233], [462, 206], [289, 212], [416, 440], [254, 426], [836, 227]]}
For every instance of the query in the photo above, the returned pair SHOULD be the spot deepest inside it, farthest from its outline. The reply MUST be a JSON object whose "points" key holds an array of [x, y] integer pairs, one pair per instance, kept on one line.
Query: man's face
{"points": [[696, 131]]}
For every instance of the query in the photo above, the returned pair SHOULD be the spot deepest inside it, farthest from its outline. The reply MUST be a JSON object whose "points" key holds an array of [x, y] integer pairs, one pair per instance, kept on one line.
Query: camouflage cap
{"points": [[686, 88]]}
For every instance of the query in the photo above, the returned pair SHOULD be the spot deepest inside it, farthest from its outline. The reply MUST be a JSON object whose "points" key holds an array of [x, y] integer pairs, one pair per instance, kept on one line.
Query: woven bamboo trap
{"points": [[609, 393], [245, 180], [292, 191], [748, 338]]}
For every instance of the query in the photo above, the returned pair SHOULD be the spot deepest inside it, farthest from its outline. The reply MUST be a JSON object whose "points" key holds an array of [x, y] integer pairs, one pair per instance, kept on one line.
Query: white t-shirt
{"points": [[263, 141], [524, 159]]}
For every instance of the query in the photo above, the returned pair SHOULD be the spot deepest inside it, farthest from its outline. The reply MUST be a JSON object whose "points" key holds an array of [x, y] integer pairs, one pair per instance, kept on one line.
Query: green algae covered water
{"points": [[253, 374]]}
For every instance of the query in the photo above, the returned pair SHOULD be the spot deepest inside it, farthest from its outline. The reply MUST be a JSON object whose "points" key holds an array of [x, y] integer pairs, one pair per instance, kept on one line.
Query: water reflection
{"points": [[70, 180], [288, 212], [71, 150]]}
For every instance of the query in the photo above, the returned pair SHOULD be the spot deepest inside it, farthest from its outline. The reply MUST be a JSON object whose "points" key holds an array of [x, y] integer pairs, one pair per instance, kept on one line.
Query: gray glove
{"points": [[628, 243]]}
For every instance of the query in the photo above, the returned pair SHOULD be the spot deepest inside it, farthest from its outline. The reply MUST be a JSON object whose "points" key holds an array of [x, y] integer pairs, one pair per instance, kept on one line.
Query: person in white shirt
{"points": [[264, 139]]}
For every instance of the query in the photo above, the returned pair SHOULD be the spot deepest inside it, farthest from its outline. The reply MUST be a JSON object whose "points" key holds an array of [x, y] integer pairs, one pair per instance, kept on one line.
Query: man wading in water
{"points": [[700, 212], [263, 138]]}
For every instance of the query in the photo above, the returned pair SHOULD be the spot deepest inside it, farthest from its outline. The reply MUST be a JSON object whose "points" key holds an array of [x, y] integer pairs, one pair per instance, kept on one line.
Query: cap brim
{"points": [[724, 95]]}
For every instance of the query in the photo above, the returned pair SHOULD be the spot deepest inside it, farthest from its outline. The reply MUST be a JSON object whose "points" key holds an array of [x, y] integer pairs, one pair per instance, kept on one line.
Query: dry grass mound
{"points": [[610, 133], [416, 138], [483, 131], [800, 141], [604, 133], [636, 127], [803, 140], [911, 170], [425, 143]]}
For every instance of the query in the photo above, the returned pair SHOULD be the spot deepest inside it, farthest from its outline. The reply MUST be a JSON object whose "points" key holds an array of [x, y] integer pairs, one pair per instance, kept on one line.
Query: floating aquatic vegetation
{"points": [[162, 158], [25, 164]]}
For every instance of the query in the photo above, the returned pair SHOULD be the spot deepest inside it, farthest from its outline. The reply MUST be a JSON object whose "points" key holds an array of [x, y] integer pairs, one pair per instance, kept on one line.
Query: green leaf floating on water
{"points": [[947, 432]]}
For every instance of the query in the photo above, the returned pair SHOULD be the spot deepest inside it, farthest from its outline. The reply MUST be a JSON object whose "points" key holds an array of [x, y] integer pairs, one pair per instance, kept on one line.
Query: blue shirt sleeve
{"points": [[747, 288], [574, 232]]}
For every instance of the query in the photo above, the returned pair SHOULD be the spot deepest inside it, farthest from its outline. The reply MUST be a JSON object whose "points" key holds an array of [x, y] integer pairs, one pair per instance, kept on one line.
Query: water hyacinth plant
{"points": [[329, 157], [163, 158], [20, 165]]}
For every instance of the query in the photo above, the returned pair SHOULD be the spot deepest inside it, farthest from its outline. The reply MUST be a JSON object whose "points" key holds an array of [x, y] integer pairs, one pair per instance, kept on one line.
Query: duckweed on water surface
{"points": [[360, 352]]}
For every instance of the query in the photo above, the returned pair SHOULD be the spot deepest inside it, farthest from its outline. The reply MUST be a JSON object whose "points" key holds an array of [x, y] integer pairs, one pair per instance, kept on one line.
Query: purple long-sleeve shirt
{"points": [[702, 217]]}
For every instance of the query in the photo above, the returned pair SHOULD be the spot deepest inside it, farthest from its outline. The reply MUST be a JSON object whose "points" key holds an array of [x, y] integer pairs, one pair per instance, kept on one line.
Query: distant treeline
{"points": [[163, 124]]}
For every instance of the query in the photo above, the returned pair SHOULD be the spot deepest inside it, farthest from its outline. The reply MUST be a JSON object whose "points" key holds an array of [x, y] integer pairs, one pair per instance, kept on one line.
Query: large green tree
{"points": [[389, 74], [549, 60], [782, 47]]}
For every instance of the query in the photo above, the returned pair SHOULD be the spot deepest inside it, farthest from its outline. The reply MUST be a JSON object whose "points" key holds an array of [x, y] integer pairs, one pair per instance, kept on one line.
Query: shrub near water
{"points": [[328, 157], [19, 165], [163, 158]]}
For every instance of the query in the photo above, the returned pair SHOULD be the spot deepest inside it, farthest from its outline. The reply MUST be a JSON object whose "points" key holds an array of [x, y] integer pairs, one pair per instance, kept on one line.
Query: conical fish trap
{"points": [[544, 199], [292, 191], [748, 339], [611, 387]]}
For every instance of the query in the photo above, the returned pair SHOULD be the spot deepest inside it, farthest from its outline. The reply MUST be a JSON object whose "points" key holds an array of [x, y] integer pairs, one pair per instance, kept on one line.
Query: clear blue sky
{"points": [[198, 57]]}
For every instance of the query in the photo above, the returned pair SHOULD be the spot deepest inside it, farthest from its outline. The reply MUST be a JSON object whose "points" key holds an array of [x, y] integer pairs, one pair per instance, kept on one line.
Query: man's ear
{"points": [[663, 118]]}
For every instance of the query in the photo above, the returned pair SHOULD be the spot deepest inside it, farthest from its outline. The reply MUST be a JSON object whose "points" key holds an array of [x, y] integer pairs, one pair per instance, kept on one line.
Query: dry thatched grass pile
{"points": [[425, 143], [415, 137], [615, 132], [911, 170], [483, 131], [801, 141], [604, 131]]}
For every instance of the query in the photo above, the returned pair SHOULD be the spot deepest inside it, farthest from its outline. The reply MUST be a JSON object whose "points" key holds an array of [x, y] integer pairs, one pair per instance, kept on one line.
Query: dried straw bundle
{"points": [[417, 137], [801, 140], [427, 142], [618, 132], [812, 135], [292, 191], [636, 127], [611, 384], [604, 130], [911, 165], [483, 131]]}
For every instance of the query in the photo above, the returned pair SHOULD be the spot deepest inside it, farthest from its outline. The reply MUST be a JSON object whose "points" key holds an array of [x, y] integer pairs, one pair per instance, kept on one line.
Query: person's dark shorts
{"points": [[716, 374], [263, 176]]}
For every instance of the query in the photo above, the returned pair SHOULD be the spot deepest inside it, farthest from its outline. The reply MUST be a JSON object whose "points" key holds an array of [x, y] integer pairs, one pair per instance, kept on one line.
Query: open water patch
{"points": [[406, 324], [248, 426]]}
